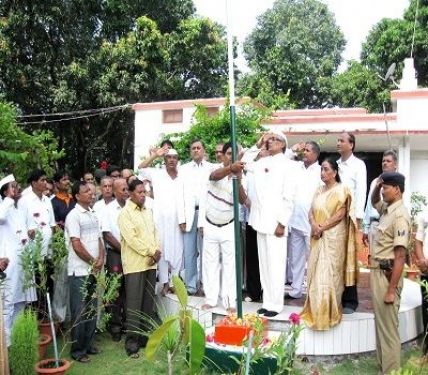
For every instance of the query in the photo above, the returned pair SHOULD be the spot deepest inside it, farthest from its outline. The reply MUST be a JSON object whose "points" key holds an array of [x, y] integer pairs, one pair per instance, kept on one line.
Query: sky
{"points": [[354, 17]]}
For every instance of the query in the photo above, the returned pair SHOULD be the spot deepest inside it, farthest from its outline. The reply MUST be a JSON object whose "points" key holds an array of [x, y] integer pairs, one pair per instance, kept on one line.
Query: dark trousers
{"points": [[117, 308], [424, 314], [83, 309], [350, 297], [254, 288], [140, 303]]}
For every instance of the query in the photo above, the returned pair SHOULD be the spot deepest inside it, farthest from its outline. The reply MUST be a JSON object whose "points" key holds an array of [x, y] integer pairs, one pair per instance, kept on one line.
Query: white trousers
{"points": [[272, 261], [168, 269], [298, 250], [10, 313], [219, 277]]}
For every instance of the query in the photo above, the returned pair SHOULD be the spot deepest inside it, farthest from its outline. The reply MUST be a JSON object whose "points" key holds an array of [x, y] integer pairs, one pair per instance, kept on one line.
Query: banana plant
{"points": [[190, 334]]}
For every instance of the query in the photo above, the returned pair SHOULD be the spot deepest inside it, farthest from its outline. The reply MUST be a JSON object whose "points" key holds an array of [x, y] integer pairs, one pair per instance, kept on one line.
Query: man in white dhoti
{"points": [[216, 218], [165, 192], [13, 237], [275, 183]]}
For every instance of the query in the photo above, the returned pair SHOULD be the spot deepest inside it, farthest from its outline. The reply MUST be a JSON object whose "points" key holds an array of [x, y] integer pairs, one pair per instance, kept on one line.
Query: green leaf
{"points": [[186, 317], [197, 346], [157, 336], [180, 290]]}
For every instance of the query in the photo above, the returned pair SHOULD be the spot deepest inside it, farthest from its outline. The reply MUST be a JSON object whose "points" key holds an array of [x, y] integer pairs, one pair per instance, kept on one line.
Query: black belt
{"points": [[372, 219], [218, 225]]}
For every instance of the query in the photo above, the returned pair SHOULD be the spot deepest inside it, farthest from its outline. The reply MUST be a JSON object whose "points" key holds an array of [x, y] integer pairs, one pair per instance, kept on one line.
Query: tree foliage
{"points": [[390, 41], [211, 130], [294, 44], [21, 151], [72, 55], [357, 86]]}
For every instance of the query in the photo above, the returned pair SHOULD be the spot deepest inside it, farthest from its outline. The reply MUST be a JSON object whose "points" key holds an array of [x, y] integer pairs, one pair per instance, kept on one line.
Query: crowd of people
{"points": [[298, 217]]}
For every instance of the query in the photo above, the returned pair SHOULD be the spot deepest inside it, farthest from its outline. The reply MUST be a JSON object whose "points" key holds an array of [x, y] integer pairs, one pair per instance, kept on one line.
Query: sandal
{"points": [[83, 359], [134, 355]]}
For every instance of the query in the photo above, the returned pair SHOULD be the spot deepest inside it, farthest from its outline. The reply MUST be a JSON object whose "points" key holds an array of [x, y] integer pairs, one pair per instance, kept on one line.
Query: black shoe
{"points": [[143, 341], [287, 296], [270, 314], [94, 351], [261, 311], [117, 336]]}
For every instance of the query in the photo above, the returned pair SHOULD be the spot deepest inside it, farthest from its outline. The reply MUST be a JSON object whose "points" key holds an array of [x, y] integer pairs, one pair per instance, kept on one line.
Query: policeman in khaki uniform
{"points": [[387, 258]]}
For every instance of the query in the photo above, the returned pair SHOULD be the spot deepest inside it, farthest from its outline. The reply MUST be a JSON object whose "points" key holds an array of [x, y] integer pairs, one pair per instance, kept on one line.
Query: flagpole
{"points": [[237, 223]]}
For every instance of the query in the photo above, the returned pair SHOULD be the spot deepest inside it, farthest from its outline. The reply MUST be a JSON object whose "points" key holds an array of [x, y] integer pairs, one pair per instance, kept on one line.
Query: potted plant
{"points": [[105, 292], [24, 350], [44, 341]]}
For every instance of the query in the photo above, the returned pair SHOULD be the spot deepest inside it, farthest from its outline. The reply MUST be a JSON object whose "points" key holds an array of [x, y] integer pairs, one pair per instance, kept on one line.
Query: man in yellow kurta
{"points": [[387, 257], [140, 251]]}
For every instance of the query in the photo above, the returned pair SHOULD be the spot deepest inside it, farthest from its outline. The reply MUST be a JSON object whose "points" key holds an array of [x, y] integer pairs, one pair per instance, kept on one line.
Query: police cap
{"points": [[394, 179]]}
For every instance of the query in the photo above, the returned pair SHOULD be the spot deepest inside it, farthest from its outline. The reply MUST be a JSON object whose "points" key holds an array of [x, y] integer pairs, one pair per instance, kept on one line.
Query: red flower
{"points": [[294, 319], [209, 338], [42, 223], [23, 241], [266, 170], [36, 214]]}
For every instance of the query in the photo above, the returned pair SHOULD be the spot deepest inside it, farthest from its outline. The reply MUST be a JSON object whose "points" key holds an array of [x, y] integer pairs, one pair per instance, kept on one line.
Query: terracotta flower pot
{"points": [[47, 366], [45, 327], [44, 341]]}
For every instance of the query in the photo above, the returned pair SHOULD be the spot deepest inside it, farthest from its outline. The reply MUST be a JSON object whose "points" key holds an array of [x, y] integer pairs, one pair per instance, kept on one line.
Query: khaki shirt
{"points": [[138, 238], [393, 229]]}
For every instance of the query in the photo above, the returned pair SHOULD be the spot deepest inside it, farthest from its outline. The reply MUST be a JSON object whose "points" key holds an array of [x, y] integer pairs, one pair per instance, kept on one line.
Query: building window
{"points": [[212, 111], [171, 116]]}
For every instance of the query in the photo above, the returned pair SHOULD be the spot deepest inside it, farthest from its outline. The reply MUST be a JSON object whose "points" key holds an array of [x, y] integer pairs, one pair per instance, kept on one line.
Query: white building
{"points": [[405, 131]]}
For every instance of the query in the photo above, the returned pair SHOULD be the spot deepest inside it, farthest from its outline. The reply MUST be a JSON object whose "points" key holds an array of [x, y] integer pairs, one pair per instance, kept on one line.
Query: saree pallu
{"points": [[332, 261]]}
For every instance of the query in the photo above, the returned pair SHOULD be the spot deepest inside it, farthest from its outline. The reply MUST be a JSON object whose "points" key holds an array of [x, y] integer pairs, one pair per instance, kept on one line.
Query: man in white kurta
{"points": [[13, 237], [275, 184], [216, 218], [193, 184], [353, 174], [36, 210], [165, 183], [299, 226]]}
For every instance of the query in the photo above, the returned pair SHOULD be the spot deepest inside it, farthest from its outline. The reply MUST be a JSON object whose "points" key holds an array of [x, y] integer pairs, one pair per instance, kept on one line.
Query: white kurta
{"points": [[38, 215], [13, 237], [165, 190], [272, 199]]}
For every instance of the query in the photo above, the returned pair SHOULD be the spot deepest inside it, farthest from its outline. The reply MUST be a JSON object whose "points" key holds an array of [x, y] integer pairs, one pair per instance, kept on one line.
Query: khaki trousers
{"points": [[388, 344]]}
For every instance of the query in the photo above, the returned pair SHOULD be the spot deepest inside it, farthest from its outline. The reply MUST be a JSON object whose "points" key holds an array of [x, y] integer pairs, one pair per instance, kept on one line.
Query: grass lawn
{"points": [[113, 360]]}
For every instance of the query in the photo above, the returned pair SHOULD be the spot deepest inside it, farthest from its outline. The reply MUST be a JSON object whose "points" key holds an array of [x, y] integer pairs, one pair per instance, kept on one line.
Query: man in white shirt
{"points": [[106, 186], [37, 210], [299, 226], [165, 183], [216, 218], [111, 234], [371, 215], [85, 256], [275, 185], [353, 174], [194, 180]]}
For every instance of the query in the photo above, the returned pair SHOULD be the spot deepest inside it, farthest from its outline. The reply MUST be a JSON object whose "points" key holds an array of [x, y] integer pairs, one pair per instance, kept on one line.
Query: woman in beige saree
{"points": [[333, 236]]}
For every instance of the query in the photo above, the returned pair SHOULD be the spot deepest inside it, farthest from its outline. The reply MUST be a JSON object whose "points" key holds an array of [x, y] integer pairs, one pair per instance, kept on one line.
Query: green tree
{"points": [[21, 151], [71, 55], [212, 130], [293, 45], [357, 86], [390, 41]]}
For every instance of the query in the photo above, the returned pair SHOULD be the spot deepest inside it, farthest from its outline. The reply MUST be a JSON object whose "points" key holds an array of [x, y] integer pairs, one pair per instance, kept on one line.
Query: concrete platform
{"points": [[355, 334]]}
